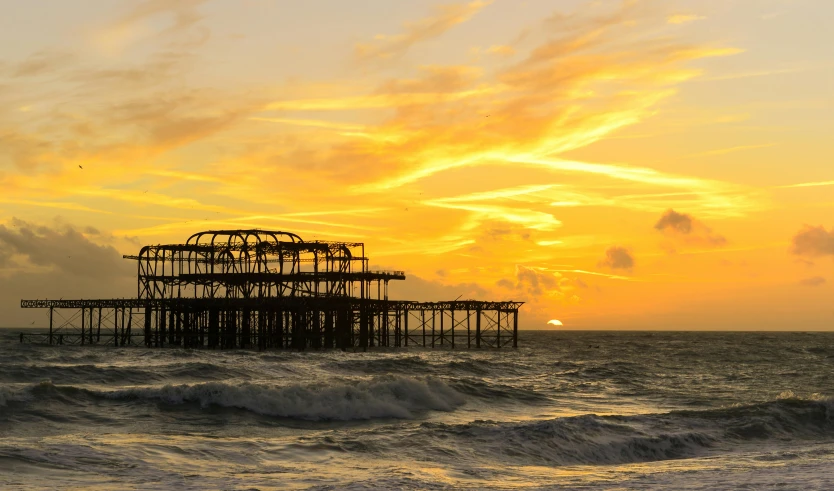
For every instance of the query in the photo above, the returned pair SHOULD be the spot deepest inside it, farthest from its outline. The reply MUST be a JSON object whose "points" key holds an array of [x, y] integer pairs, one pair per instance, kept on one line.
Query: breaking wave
{"points": [[591, 439], [384, 397]]}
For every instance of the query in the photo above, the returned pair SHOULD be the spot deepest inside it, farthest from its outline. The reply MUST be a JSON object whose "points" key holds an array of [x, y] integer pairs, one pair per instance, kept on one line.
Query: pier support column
{"points": [[187, 331], [433, 323], [159, 339], [515, 328], [82, 326], [343, 328], [364, 321], [423, 319], [246, 329], [50, 324], [148, 323], [498, 332], [172, 325], [442, 328], [299, 330], [398, 341], [452, 312], [370, 328], [328, 329], [478, 329], [262, 315], [316, 329], [213, 328], [468, 328]]}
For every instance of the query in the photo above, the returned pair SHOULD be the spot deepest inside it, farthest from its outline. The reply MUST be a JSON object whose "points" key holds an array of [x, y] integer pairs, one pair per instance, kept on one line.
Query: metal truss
{"points": [[269, 289]]}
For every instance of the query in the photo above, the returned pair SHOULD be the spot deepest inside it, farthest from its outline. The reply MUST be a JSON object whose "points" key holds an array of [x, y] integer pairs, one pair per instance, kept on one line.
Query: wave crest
{"points": [[591, 439], [389, 397]]}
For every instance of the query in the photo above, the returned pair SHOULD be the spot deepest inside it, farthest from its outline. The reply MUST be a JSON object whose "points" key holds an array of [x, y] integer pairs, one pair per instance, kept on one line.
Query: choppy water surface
{"points": [[568, 410]]}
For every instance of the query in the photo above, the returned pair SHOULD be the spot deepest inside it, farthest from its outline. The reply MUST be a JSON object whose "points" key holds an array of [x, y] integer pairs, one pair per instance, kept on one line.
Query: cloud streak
{"points": [[445, 17]]}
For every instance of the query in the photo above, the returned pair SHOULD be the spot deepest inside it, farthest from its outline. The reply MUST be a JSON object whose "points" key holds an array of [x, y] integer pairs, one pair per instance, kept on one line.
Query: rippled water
{"points": [[567, 410]]}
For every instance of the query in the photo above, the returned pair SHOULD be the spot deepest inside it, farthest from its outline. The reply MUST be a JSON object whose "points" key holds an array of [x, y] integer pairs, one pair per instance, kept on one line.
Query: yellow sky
{"points": [[616, 164]]}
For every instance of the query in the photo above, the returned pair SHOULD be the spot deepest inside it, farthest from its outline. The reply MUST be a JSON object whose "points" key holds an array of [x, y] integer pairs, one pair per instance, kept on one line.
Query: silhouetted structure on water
{"points": [[265, 289]]}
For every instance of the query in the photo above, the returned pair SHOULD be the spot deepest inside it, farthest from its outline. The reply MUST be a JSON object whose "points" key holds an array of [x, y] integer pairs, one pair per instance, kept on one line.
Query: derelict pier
{"points": [[263, 289]]}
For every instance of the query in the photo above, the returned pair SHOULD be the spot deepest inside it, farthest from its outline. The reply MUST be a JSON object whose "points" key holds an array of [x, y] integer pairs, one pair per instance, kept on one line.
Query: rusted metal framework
{"points": [[268, 289]]}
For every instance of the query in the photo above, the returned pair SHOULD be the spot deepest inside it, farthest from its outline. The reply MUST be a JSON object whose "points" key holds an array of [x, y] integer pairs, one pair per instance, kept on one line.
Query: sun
{"points": [[554, 322]]}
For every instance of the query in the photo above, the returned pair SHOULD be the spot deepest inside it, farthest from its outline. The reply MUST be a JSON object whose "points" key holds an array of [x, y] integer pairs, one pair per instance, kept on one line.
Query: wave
{"points": [[601, 440], [492, 391], [384, 397], [462, 365], [102, 374], [395, 364]]}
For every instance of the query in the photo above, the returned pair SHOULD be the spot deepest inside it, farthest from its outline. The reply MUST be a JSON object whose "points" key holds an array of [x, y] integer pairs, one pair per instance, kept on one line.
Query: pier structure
{"points": [[262, 289]]}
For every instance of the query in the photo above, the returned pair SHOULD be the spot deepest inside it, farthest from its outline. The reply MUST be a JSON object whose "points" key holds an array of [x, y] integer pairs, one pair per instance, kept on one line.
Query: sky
{"points": [[630, 164]]}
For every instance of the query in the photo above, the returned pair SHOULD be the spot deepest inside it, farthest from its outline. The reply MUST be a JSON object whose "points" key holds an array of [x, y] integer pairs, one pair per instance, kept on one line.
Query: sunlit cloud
{"points": [[752, 74], [314, 123], [501, 50], [531, 219], [809, 184], [391, 46], [595, 273], [683, 18], [724, 151], [379, 101]]}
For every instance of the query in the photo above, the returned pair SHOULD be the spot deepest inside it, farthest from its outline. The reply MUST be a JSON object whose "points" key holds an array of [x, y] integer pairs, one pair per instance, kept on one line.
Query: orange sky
{"points": [[615, 164]]}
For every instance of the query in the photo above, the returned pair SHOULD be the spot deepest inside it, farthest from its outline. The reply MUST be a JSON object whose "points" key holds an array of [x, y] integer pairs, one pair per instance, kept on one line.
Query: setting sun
{"points": [[554, 322]]}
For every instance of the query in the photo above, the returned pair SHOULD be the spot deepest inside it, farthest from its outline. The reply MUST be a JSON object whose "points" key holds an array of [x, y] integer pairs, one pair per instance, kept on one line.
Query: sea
{"points": [[566, 410]]}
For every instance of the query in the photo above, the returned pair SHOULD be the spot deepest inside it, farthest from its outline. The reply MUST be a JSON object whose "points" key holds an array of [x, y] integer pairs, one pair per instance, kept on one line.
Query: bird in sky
{"points": [[79, 166]]}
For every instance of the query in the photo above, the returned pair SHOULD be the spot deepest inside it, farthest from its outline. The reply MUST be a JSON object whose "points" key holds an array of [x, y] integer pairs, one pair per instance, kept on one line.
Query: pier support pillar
{"points": [[328, 329], [515, 328], [364, 321], [246, 329], [478, 329], [148, 323], [213, 328]]}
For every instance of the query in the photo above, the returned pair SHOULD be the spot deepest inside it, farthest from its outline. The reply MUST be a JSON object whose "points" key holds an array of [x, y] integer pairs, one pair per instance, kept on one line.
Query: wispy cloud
{"points": [[595, 273], [135, 24], [751, 74], [684, 18], [808, 184], [385, 47], [724, 151]]}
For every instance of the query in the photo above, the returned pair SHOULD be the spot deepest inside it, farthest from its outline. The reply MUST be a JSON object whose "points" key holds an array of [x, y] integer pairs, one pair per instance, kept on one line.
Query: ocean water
{"points": [[567, 410]]}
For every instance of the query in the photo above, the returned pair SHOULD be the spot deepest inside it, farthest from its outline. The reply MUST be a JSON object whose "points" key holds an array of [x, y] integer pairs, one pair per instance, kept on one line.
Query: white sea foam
{"points": [[385, 397]]}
